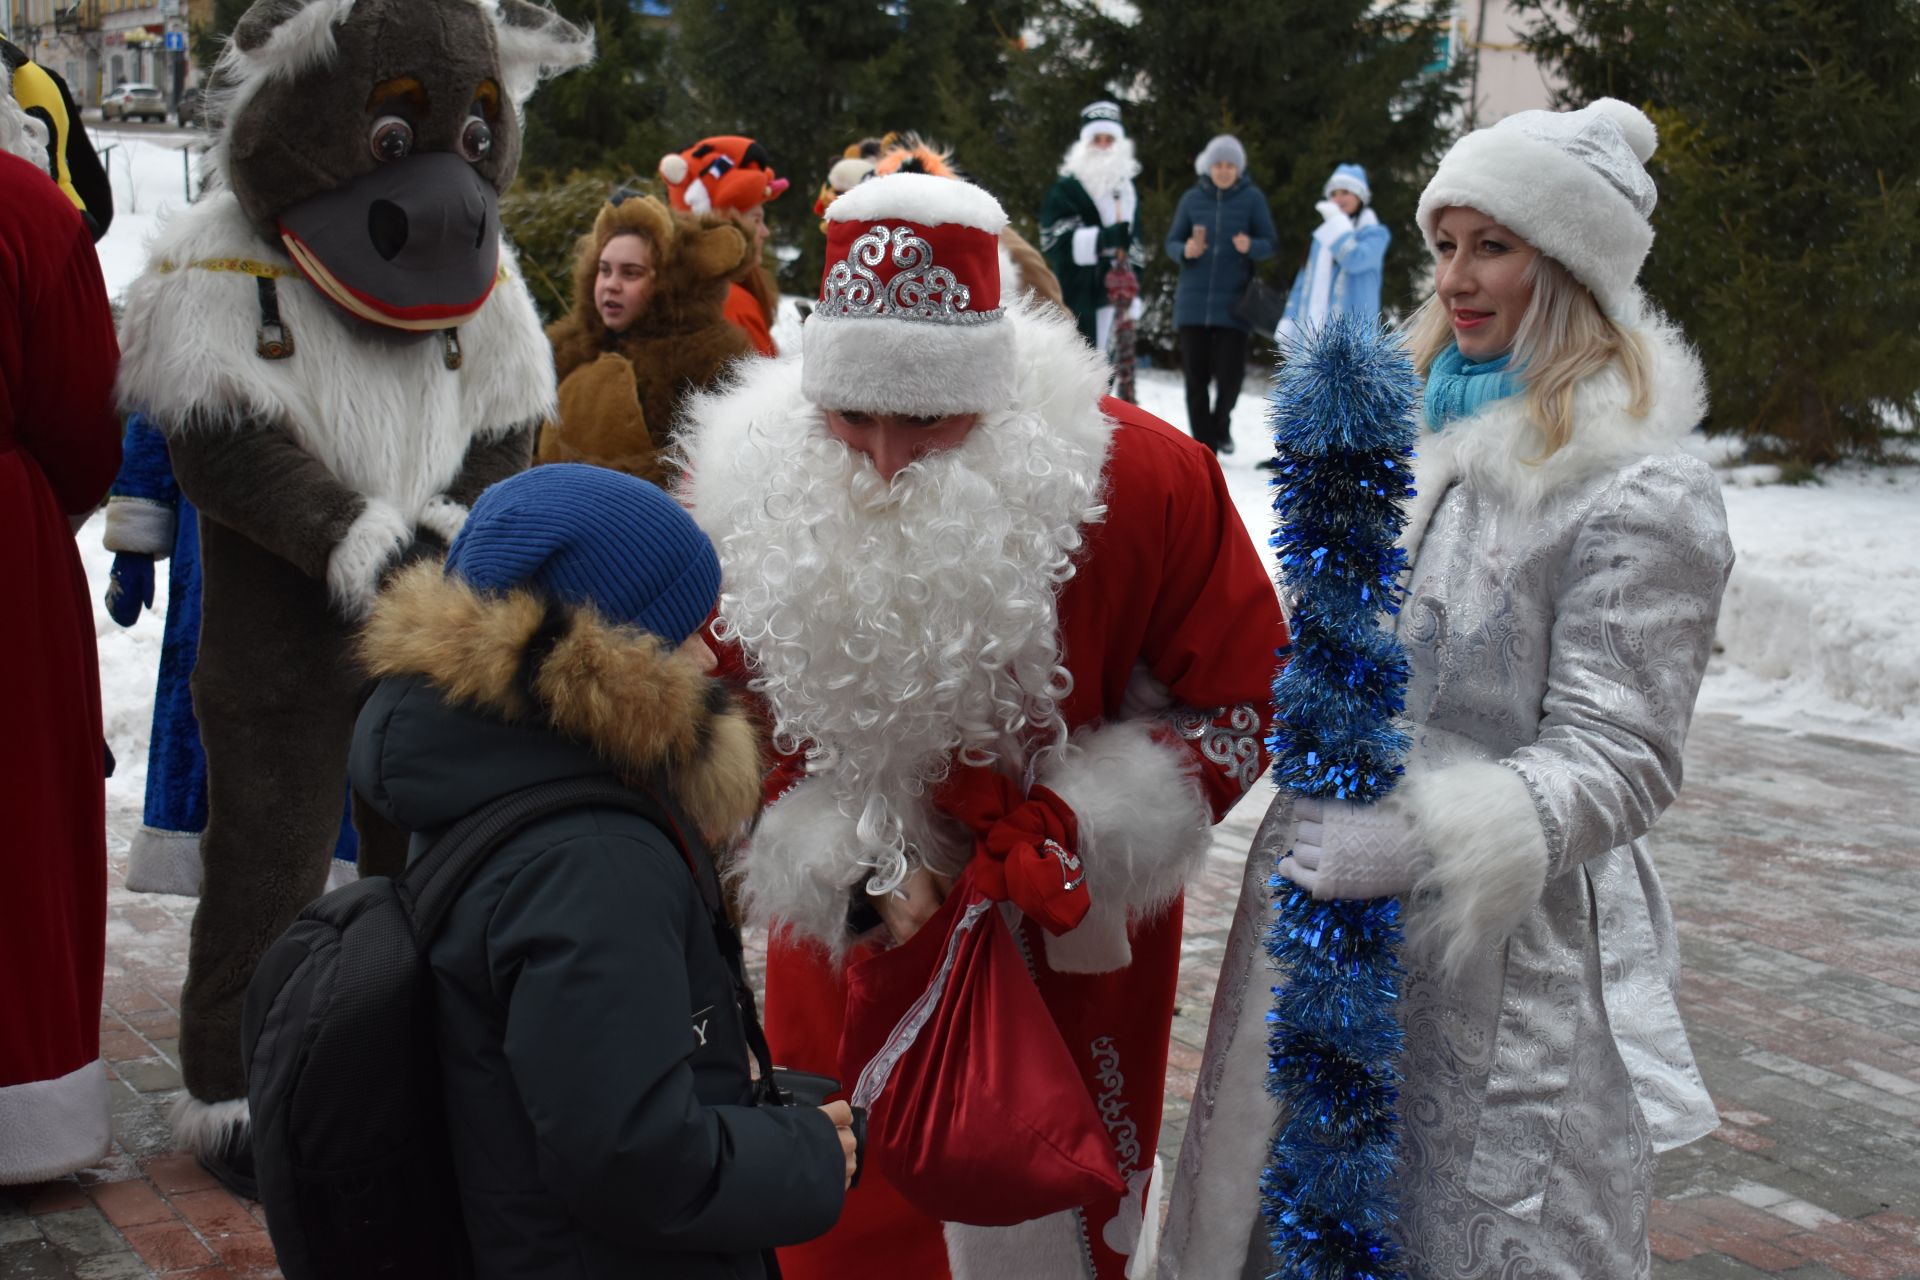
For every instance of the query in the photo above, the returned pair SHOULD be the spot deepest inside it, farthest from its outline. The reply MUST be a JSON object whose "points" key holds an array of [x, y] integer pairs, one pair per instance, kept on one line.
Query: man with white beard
{"points": [[1086, 220], [945, 554]]}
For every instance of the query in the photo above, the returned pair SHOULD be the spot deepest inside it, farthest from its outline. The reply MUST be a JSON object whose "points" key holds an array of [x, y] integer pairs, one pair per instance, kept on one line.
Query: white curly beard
{"points": [[1101, 170], [20, 134], [895, 627]]}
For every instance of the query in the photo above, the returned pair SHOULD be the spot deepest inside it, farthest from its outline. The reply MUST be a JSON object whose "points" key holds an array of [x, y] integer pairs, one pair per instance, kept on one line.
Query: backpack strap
{"points": [[431, 886]]}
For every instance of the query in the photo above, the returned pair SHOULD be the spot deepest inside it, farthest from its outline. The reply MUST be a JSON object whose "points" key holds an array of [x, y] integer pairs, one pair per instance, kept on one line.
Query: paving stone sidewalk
{"points": [[1793, 868]]}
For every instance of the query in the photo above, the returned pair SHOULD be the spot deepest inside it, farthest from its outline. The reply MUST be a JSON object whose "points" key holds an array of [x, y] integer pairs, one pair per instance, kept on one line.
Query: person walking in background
{"points": [[731, 178], [1566, 558], [590, 1016], [59, 448], [1086, 219], [647, 329], [1222, 227], [1342, 275]]}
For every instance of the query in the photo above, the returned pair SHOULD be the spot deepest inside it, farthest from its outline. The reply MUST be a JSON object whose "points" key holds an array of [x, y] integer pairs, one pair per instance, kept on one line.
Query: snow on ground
{"points": [[129, 663], [149, 172]]}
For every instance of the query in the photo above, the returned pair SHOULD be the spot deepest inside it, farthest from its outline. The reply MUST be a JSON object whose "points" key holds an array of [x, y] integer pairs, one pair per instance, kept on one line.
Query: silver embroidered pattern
{"points": [[1113, 1103], [919, 289], [1234, 745]]}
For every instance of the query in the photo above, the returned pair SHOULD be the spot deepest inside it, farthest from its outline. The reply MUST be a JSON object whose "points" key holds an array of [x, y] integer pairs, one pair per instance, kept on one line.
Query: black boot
{"points": [[231, 1164]]}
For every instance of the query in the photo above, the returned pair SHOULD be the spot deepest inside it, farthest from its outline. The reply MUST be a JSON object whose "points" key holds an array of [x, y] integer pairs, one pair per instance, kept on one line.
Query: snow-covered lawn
{"points": [[1818, 632]]}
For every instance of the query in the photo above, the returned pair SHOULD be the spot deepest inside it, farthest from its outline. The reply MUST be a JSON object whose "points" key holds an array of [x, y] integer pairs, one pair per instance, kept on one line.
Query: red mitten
{"points": [[1039, 843], [1025, 850]]}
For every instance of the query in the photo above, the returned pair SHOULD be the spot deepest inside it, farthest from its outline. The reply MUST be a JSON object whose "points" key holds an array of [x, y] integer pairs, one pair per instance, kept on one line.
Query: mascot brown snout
{"points": [[352, 194]]}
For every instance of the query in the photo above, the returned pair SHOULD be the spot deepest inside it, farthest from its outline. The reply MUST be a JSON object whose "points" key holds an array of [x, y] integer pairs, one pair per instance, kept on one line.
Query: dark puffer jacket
{"points": [[1211, 284], [595, 1061]]}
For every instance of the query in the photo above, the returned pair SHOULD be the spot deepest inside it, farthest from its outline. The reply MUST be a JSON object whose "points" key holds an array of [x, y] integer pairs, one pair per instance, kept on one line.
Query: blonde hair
{"points": [[1563, 340]]}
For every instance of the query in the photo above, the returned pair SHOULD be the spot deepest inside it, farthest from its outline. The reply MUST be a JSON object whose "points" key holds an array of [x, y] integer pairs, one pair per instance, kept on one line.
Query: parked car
{"points": [[187, 110], [130, 100]]}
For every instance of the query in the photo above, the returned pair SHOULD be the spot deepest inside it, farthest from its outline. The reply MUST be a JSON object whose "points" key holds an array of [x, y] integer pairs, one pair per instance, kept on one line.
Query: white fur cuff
{"points": [[1144, 827], [443, 517], [1489, 854], [140, 526], [205, 1127], [377, 538], [793, 870]]}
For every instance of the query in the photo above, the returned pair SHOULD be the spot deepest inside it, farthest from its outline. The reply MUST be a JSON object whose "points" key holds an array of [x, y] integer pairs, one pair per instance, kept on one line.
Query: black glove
{"points": [[1116, 235]]}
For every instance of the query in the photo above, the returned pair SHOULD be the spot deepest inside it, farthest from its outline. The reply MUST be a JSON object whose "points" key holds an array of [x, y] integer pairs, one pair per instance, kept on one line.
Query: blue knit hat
{"points": [[587, 535], [1349, 177]]}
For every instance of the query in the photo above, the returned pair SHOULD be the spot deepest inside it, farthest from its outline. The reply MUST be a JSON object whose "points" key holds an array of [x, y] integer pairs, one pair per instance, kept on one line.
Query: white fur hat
{"points": [[1573, 184], [909, 318]]}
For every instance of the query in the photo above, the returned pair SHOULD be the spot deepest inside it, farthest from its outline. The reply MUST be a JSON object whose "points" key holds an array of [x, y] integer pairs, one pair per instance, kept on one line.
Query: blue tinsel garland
{"points": [[1342, 410]]}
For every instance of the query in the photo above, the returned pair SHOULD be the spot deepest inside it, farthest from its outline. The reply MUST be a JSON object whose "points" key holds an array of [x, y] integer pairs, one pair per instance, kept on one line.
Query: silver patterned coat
{"points": [[1558, 620]]}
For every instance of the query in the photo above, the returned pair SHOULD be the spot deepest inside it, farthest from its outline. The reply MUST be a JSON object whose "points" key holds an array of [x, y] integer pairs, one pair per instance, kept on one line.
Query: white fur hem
{"points": [[1144, 827], [920, 367], [164, 862], [141, 526], [49, 1128], [1048, 1247], [1479, 822], [205, 1127], [443, 517], [376, 539], [793, 868]]}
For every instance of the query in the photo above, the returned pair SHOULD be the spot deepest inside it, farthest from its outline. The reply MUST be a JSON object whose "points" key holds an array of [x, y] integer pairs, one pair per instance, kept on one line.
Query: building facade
{"points": [[1502, 77], [98, 45]]}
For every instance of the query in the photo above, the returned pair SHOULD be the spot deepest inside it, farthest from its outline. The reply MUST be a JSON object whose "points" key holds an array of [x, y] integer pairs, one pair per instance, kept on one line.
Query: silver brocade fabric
{"points": [[1567, 643]]}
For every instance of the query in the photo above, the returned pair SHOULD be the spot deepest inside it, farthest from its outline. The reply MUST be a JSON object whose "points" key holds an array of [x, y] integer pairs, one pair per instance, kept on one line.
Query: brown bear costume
{"points": [[342, 355], [620, 392]]}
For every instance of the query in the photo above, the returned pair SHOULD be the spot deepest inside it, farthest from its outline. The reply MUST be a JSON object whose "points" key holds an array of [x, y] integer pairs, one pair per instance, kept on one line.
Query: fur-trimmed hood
{"points": [[695, 261], [1492, 447], [611, 699]]}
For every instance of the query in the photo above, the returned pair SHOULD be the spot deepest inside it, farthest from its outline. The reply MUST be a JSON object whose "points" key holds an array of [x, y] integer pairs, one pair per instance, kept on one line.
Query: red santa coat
{"points": [[59, 450], [1170, 629]]}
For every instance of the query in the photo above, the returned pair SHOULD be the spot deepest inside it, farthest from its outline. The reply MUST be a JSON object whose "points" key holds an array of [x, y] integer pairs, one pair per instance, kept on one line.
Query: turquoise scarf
{"points": [[1457, 387]]}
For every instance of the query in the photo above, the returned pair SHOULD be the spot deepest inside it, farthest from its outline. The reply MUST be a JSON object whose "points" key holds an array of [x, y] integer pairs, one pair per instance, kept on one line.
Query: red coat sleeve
{"points": [[64, 405], [743, 313]]}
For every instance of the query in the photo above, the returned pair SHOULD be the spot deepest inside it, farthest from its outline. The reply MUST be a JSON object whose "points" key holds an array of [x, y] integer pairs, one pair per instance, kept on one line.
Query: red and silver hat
{"points": [[909, 318]]}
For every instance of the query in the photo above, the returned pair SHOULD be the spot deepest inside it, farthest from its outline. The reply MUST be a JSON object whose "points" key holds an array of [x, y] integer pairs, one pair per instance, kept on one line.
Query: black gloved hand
{"points": [[1116, 235]]}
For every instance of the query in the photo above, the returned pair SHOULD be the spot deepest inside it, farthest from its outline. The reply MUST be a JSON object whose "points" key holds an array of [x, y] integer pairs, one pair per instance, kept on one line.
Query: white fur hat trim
{"points": [[1572, 184]]}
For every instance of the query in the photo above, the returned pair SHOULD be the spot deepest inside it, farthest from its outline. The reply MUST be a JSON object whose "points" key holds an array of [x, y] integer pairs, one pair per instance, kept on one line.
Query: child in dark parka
{"points": [[596, 1062]]}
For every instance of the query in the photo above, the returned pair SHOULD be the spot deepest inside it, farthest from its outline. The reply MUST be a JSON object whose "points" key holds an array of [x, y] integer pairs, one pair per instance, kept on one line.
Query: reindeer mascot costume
{"points": [[342, 355]]}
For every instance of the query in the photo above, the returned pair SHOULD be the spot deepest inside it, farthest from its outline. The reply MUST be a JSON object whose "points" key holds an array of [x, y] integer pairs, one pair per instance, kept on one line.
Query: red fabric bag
{"points": [[975, 1110]]}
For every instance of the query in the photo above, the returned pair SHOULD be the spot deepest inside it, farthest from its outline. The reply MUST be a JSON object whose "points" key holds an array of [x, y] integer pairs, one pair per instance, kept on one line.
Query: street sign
{"points": [[176, 42]]}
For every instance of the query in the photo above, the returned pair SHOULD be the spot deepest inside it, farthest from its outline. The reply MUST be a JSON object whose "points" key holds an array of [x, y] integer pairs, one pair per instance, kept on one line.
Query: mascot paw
{"points": [[374, 543], [443, 518]]}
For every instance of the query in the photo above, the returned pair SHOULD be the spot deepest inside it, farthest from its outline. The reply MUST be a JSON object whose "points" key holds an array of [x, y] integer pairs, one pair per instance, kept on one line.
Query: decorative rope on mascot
{"points": [[1342, 411]]}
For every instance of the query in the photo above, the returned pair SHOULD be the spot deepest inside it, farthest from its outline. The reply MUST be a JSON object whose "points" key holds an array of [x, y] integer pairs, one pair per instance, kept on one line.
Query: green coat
{"points": [[1066, 210]]}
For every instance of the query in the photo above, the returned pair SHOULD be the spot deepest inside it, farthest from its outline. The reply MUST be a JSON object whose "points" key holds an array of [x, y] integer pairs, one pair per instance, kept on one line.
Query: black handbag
{"points": [[1261, 307]]}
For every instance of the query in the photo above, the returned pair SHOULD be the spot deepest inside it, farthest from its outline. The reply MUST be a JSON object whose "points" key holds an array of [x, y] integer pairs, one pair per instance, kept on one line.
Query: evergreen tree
{"points": [[610, 116], [1788, 229], [807, 77]]}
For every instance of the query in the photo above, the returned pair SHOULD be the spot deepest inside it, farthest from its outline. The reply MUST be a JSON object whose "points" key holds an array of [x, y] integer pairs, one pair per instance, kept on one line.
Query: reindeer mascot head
{"points": [[340, 350]]}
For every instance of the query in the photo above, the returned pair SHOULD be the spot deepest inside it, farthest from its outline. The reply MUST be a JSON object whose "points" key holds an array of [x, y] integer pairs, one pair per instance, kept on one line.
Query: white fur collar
{"points": [[1490, 448], [1055, 375], [386, 415]]}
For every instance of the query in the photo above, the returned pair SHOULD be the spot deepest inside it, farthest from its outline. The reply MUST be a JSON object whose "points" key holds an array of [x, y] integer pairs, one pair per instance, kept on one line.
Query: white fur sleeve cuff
{"points": [[377, 538], [1086, 247], [443, 517], [1144, 826], [794, 869], [1479, 822], [140, 526]]}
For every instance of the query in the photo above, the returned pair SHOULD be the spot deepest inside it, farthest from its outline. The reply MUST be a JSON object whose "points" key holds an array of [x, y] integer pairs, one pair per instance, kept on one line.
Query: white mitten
{"points": [[1331, 212], [1346, 850]]}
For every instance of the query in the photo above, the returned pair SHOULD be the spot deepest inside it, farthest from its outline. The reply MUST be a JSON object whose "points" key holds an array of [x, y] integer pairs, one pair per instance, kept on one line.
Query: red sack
{"points": [[975, 1110]]}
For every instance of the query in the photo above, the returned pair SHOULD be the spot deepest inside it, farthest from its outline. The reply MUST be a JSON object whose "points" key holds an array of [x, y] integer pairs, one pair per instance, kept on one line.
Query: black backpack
{"points": [[343, 1069]]}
